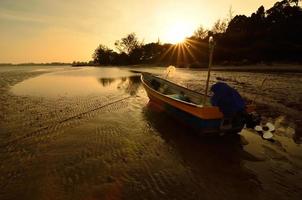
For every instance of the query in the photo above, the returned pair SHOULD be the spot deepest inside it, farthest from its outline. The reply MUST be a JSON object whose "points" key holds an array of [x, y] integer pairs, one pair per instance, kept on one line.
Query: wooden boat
{"points": [[187, 105]]}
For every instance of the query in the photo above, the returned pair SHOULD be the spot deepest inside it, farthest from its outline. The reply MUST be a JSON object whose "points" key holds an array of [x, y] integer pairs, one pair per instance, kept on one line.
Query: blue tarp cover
{"points": [[227, 99]]}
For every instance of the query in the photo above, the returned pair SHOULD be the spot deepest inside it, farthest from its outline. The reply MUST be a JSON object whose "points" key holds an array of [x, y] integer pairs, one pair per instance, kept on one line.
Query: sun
{"points": [[178, 32]]}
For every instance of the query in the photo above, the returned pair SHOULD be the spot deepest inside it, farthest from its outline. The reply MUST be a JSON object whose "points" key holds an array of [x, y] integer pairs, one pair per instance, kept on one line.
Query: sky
{"points": [[70, 30]]}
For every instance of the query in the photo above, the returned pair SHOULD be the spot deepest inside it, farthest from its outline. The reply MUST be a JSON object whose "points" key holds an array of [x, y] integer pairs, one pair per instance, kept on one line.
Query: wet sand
{"points": [[110, 143]]}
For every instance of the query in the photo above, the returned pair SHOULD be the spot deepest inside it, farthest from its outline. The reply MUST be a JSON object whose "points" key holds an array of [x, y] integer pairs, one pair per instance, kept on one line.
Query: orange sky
{"points": [[56, 30]]}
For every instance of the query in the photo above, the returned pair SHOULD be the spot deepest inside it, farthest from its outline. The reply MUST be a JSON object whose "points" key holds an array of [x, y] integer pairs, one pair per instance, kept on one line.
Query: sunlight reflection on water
{"points": [[81, 82]]}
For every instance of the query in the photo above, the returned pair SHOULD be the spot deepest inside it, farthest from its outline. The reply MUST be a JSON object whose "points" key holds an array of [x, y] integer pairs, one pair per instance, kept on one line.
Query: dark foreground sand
{"points": [[114, 146]]}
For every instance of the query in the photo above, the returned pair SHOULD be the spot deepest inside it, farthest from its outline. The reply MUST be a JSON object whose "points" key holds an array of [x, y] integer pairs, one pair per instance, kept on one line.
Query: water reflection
{"points": [[106, 81], [130, 85], [90, 82], [217, 163]]}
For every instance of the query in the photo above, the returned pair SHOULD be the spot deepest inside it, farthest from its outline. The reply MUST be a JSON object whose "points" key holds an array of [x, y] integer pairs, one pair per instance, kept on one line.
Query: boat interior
{"points": [[175, 91]]}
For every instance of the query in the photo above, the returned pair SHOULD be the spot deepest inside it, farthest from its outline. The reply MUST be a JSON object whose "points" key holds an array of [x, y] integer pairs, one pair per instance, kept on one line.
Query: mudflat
{"points": [[90, 133]]}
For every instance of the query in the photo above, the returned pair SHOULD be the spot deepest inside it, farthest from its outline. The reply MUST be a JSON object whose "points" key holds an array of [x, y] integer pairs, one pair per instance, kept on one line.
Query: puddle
{"points": [[79, 82]]}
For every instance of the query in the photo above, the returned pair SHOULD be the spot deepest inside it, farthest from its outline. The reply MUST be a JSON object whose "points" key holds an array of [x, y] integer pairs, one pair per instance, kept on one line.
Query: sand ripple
{"points": [[115, 146]]}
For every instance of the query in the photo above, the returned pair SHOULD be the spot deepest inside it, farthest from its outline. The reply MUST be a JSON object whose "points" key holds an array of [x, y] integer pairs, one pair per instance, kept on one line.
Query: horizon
{"points": [[53, 31]]}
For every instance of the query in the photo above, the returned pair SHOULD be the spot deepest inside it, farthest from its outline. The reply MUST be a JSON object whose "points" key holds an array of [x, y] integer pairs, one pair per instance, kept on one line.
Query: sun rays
{"points": [[183, 52]]}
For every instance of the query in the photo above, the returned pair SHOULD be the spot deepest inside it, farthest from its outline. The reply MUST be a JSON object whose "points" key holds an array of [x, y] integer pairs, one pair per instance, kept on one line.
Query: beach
{"points": [[90, 133]]}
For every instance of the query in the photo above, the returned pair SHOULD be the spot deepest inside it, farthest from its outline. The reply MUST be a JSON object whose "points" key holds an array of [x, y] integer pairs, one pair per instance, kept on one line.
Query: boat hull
{"points": [[196, 124], [201, 119]]}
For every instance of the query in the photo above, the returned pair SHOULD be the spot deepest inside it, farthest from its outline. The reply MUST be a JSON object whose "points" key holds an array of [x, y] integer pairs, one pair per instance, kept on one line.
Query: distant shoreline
{"points": [[261, 68], [34, 64]]}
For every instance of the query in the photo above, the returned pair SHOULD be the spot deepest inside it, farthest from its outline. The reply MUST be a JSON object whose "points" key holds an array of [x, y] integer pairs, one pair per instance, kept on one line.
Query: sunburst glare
{"points": [[177, 32]]}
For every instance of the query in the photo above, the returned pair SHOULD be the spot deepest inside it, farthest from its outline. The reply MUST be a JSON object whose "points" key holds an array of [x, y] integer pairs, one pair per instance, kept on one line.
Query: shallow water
{"points": [[78, 82], [90, 133]]}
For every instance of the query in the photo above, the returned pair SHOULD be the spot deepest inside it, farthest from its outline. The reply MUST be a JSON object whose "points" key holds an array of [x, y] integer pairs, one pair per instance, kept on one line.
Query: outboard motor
{"points": [[252, 119]]}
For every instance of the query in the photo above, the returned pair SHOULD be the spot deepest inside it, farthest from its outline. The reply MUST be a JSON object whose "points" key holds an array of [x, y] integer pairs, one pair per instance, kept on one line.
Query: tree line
{"points": [[265, 36]]}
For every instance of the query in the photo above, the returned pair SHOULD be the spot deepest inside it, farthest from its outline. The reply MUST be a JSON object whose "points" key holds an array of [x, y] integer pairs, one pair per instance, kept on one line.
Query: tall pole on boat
{"points": [[211, 49]]}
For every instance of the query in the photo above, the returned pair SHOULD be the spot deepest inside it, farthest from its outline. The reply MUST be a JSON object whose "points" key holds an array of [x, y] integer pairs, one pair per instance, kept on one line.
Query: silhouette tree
{"points": [[220, 26], [200, 32], [257, 22], [127, 44], [151, 52], [260, 14], [239, 24], [295, 1], [103, 55]]}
